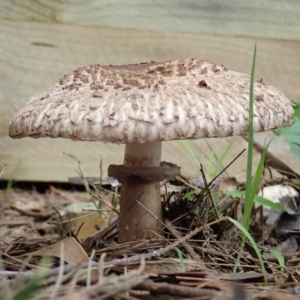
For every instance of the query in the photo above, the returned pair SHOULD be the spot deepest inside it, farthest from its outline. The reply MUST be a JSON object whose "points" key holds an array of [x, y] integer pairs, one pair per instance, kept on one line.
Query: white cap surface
{"points": [[187, 99]]}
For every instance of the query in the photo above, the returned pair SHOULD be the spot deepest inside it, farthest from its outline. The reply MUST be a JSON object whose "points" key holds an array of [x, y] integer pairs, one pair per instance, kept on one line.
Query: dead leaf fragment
{"points": [[73, 251]]}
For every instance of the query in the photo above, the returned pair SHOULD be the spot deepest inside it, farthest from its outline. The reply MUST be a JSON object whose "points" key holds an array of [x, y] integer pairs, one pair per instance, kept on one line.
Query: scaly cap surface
{"points": [[186, 99]]}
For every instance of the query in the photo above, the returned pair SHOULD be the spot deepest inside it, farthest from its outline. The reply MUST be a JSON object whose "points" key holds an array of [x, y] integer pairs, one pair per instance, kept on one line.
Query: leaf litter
{"points": [[62, 245]]}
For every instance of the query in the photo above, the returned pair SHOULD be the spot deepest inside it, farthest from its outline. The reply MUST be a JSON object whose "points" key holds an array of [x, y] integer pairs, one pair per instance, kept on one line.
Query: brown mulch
{"points": [[196, 259]]}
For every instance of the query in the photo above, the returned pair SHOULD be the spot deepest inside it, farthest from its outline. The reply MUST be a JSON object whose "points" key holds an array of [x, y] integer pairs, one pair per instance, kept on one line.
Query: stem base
{"points": [[138, 221]]}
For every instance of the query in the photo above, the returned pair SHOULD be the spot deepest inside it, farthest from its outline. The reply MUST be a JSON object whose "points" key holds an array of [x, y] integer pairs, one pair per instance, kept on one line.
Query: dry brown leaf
{"points": [[73, 252], [33, 204], [89, 227], [82, 219]]}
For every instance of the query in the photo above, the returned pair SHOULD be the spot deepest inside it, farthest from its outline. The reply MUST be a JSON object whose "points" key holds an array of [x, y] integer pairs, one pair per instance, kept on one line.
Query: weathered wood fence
{"points": [[42, 40]]}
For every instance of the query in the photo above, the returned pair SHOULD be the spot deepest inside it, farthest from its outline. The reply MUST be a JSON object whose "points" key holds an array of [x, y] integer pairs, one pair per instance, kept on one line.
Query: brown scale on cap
{"points": [[150, 101]]}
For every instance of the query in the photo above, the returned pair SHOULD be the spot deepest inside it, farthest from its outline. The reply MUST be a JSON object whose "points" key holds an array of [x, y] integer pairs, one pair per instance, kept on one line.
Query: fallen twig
{"points": [[124, 261], [101, 232], [176, 289], [275, 162]]}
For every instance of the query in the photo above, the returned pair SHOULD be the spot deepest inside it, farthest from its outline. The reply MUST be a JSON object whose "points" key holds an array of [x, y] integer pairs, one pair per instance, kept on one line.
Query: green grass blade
{"points": [[255, 247], [222, 157], [183, 269], [189, 194], [257, 199], [280, 259], [248, 202], [29, 288], [292, 134], [212, 158], [265, 202], [190, 151], [254, 188]]}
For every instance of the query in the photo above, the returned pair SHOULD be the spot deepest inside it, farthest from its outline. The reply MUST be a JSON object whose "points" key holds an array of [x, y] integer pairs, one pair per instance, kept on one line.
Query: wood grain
{"points": [[273, 19], [34, 55]]}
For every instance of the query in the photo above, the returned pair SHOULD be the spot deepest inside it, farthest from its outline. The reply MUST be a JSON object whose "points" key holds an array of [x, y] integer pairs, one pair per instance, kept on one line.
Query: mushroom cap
{"points": [[182, 99]]}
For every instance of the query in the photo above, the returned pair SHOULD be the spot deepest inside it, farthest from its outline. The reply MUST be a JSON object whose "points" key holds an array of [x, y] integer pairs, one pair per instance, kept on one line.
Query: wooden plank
{"points": [[44, 159], [264, 18], [34, 55]]}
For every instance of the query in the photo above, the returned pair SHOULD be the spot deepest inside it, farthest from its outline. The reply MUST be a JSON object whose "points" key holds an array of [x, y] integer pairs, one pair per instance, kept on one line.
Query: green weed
{"points": [[292, 134]]}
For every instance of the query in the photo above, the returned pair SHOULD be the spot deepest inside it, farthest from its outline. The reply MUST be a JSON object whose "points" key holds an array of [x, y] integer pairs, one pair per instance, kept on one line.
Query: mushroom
{"points": [[141, 105]]}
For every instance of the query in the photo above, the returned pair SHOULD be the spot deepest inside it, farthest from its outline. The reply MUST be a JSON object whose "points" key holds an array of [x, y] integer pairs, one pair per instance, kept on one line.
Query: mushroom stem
{"points": [[143, 155], [140, 220]]}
